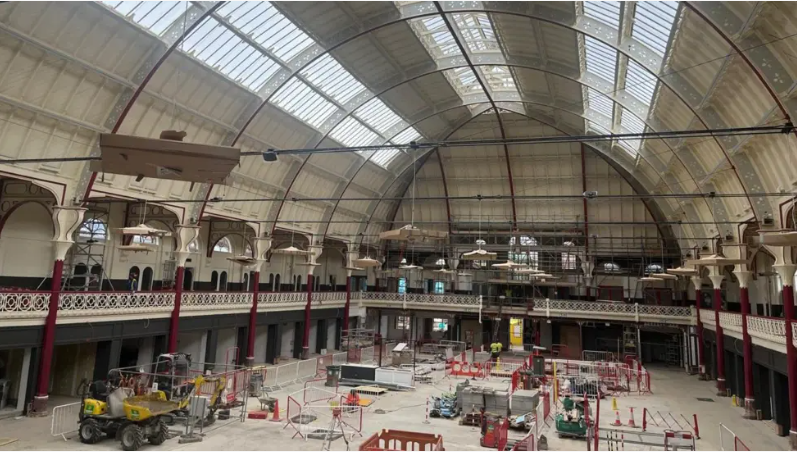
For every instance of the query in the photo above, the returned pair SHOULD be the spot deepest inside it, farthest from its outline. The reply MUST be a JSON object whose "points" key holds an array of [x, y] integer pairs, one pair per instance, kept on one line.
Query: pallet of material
{"points": [[370, 390]]}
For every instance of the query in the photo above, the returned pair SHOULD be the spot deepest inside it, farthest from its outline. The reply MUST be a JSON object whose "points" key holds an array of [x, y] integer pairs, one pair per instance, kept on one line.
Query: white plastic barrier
{"points": [[306, 369], [65, 420], [398, 377]]}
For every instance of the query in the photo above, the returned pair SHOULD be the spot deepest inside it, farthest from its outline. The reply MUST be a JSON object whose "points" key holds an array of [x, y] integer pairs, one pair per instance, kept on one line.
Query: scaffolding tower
{"points": [[84, 268]]}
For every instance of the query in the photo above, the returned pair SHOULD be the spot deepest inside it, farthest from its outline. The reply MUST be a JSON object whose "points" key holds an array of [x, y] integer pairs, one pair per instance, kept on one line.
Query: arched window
{"points": [[478, 264], [223, 246], [93, 230], [214, 280], [654, 268], [568, 258], [297, 283], [193, 246], [246, 283], [223, 282], [133, 277], [271, 282], [611, 267], [441, 262], [145, 239], [146, 279], [277, 283], [522, 256], [248, 251]]}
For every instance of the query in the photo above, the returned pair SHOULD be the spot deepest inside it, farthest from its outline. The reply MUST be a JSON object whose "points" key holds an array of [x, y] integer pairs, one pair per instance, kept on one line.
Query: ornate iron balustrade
{"points": [[420, 298], [731, 321], [194, 301], [24, 304], [707, 319], [767, 328], [111, 303], [270, 300], [612, 311]]}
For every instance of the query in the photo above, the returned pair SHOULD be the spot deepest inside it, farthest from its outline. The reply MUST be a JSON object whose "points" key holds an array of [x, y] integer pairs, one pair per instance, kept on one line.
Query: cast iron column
{"points": [[747, 345], [306, 336], [701, 363], [786, 273], [174, 323], [716, 280], [250, 360]]}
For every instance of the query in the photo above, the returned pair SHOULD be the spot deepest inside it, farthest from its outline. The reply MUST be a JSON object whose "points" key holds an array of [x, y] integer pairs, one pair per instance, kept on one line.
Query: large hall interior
{"points": [[404, 225]]}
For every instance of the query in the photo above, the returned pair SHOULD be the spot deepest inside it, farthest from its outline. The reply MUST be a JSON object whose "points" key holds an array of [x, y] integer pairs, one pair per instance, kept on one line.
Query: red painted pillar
{"points": [[346, 307], [174, 324], [306, 336], [747, 350], [48, 342], [701, 363], [250, 360], [791, 360], [720, 343]]}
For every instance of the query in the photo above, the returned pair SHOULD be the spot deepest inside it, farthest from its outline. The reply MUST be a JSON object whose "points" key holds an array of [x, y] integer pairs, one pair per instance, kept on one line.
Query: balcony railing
{"points": [[453, 301], [110, 303], [767, 328], [731, 321], [707, 318], [612, 311], [198, 301], [24, 304]]}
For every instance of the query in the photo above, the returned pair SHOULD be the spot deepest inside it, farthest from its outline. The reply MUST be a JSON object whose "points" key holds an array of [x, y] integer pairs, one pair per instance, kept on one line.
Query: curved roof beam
{"points": [[629, 47], [576, 111], [656, 213]]}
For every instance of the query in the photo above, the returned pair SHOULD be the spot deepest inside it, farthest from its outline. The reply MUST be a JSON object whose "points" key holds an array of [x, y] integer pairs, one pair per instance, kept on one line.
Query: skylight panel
{"points": [[653, 22], [301, 101], [600, 103], [154, 16], [385, 156], [268, 27], [435, 37], [639, 82], [599, 129], [377, 115], [220, 48], [631, 124], [499, 78], [606, 12], [408, 135], [464, 81], [351, 132], [477, 31], [327, 74], [600, 58]]}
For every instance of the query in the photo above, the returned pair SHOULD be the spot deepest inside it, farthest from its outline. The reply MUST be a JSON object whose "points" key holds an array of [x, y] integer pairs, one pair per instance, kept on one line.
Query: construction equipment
{"points": [[445, 406], [570, 422], [134, 406], [494, 431]]}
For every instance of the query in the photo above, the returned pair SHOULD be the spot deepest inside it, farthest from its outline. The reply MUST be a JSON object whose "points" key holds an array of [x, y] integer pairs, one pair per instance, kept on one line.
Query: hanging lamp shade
{"points": [[542, 276], [309, 264], [528, 271], [291, 251], [366, 262], [354, 268], [443, 271], [143, 229], [479, 255], [663, 276], [136, 248], [508, 265], [682, 271], [464, 274], [409, 267], [778, 238], [410, 233], [243, 260], [649, 279], [715, 260]]}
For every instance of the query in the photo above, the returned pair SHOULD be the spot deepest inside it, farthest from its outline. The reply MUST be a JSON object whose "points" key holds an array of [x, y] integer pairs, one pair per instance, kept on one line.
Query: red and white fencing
{"points": [[670, 421], [598, 355], [729, 440]]}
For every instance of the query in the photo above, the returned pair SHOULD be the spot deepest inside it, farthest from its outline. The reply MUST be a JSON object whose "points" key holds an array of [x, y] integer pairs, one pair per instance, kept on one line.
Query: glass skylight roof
{"points": [[477, 31], [385, 156], [434, 35], [351, 132], [631, 124], [600, 58], [639, 82], [599, 103], [407, 136], [378, 115], [499, 78], [464, 80], [333, 79], [154, 16], [653, 22], [266, 26], [301, 101], [606, 12]]}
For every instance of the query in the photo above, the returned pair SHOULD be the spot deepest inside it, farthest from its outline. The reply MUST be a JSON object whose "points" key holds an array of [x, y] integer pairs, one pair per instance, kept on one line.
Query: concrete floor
{"points": [[674, 392]]}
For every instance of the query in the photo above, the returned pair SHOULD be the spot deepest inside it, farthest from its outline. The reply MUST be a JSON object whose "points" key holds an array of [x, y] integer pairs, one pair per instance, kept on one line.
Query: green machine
{"points": [[571, 422]]}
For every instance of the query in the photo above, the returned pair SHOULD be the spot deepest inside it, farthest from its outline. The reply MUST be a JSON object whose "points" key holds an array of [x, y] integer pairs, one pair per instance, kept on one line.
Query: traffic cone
{"points": [[276, 417], [617, 422], [631, 422], [614, 403]]}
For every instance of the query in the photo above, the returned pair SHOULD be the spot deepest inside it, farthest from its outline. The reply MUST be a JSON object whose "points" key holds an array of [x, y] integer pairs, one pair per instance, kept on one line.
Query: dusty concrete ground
{"points": [[673, 392]]}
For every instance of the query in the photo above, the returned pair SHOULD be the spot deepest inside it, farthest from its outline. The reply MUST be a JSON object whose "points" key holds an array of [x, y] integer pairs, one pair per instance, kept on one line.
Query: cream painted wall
{"points": [[26, 247]]}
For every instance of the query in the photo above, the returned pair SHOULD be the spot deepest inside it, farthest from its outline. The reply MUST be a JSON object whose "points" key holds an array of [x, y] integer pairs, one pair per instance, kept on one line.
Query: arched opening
{"points": [[223, 282], [95, 277], [246, 283], [188, 279], [146, 279], [271, 282], [277, 283], [27, 230], [79, 279], [92, 230], [133, 277], [223, 246], [214, 280]]}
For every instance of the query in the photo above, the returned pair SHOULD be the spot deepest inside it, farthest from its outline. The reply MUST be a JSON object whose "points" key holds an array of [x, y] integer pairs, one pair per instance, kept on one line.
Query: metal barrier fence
{"points": [[598, 355], [290, 373], [729, 440], [64, 420]]}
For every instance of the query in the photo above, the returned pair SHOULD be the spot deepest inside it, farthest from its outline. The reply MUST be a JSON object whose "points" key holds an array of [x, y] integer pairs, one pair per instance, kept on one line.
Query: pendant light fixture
{"points": [[479, 254], [291, 250], [142, 230]]}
